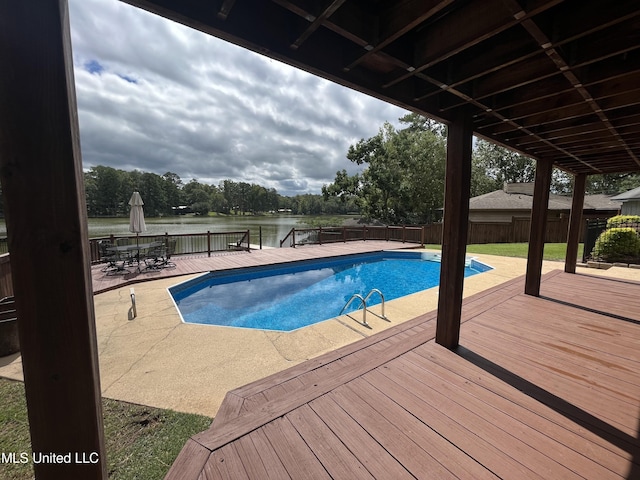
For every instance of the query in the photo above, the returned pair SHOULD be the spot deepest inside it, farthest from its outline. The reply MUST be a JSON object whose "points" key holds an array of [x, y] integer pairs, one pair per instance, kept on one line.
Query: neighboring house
{"points": [[630, 202], [516, 199]]}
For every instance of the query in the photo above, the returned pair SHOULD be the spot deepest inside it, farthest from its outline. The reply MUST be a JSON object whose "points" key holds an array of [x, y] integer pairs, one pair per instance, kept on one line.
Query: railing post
{"points": [[320, 235], [364, 233], [293, 236], [404, 233], [344, 234], [260, 235], [422, 235], [208, 243]]}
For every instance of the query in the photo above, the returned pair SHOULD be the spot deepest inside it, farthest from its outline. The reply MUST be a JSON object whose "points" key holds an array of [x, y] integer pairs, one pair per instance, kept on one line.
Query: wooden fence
{"points": [[516, 231]]}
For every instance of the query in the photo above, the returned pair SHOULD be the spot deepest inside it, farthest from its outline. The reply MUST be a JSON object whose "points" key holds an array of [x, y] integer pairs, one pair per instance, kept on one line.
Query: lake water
{"points": [[274, 227]]}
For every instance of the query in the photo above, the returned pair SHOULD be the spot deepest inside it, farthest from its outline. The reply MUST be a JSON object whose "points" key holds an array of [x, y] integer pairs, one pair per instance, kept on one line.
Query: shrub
{"points": [[623, 221], [617, 244]]}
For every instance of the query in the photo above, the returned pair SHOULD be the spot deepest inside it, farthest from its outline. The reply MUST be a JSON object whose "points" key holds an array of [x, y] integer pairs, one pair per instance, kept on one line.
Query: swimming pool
{"points": [[290, 296]]}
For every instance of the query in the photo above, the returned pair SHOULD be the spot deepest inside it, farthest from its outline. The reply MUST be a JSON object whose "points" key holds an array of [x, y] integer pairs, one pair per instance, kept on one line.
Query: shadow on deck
{"points": [[539, 388]]}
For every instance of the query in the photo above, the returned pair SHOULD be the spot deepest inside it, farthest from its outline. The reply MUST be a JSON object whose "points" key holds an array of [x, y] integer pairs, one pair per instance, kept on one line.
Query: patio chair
{"points": [[115, 262], [171, 248], [156, 257], [107, 255]]}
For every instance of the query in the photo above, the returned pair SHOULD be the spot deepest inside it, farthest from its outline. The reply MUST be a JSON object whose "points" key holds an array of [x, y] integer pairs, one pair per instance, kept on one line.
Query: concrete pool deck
{"points": [[156, 360]]}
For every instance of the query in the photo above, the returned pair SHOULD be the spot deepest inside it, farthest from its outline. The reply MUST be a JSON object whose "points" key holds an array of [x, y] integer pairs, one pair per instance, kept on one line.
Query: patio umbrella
{"points": [[136, 215]]}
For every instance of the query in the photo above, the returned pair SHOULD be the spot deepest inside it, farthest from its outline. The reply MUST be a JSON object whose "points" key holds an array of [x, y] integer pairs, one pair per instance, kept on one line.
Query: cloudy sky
{"points": [[157, 96]]}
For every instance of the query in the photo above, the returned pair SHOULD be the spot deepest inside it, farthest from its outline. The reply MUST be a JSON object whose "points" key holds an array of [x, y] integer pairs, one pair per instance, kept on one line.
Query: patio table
{"points": [[138, 248]]}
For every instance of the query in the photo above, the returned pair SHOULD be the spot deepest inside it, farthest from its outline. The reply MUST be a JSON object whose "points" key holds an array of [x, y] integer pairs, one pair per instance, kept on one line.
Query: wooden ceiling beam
{"points": [[562, 65], [569, 23], [317, 22], [553, 136], [458, 31], [349, 22], [225, 9], [398, 21], [588, 24]]}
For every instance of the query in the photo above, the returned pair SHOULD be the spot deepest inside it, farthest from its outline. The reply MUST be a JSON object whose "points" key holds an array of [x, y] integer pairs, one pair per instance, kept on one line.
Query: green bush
{"points": [[622, 221], [617, 245]]}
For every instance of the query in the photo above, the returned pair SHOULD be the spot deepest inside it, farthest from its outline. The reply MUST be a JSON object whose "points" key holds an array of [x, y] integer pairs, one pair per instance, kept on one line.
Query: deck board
{"points": [[387, 433], [446, 383], [539, 388], [373, 456], [467, 381]]}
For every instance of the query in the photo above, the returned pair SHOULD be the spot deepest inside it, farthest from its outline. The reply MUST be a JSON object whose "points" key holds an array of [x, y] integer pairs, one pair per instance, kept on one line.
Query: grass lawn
{"points": [[552, 251], [141, 442]]}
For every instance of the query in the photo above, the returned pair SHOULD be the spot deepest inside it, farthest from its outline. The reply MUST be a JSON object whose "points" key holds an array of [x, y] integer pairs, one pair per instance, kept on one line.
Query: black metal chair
{"points": [[159, 256], [156, 257], [115, 263], [107, 256]]}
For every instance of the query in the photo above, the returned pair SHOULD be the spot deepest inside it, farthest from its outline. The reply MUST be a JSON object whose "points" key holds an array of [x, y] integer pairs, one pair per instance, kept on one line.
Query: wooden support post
{"points": [[575, 223], [538, 227], [44, 205], [454, 230]]}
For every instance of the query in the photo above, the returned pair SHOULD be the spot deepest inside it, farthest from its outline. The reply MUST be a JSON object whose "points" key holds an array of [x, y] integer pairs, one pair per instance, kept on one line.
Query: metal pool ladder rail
{"points": [[363, 302]]}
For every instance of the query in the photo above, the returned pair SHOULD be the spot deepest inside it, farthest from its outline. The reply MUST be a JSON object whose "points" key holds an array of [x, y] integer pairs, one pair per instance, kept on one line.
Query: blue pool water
{"points": [[291, 296]]}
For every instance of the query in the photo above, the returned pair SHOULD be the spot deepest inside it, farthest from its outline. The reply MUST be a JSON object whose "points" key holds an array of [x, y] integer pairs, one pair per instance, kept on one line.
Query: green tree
{"points": [[422, 160], [151, 188], [612, 183], [172, 186], [107, 195], [197, 196], [403, 176], [230, 192], [502, 165]]}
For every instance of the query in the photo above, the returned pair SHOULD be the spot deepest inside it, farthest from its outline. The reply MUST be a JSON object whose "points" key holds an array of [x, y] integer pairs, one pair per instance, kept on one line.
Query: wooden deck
{"points": [[188, 264], [541, 388]]}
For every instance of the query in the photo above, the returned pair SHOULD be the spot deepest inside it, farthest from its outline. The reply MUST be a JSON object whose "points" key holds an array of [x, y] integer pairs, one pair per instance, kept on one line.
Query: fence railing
{"points": [[595, 227], [323, 235], [185, 243], [611, 249], [515, 231], [6, 280]]}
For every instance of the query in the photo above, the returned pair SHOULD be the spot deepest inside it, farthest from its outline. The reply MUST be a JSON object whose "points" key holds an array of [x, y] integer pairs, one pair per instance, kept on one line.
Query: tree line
{"points": [[403, 176], [402, 181], [108, 191]]}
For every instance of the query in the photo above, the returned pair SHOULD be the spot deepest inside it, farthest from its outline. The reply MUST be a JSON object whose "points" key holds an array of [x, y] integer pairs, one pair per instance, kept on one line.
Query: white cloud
{"points": [[157, 96]]}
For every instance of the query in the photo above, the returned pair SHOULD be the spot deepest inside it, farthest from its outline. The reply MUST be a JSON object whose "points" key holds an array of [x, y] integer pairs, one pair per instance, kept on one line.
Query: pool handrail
{"points": [[364, 310], [371, 292], [363, 302]]}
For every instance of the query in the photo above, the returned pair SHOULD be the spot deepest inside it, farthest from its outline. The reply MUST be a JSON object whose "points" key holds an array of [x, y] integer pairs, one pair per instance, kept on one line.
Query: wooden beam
{"points": [[575, 223], [317, 22], [399, 20], [454, 229], [42, 184], [538, 227], [225, 9]]}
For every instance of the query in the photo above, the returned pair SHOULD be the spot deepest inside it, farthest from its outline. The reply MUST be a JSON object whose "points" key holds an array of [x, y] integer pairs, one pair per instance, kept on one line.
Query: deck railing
{"points": [[323, 235], [185, 243], [6, 280]]}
